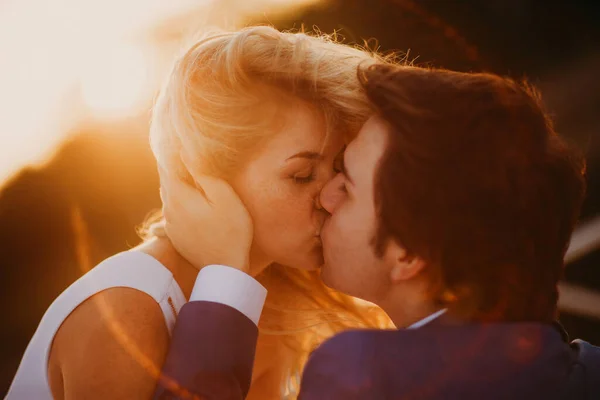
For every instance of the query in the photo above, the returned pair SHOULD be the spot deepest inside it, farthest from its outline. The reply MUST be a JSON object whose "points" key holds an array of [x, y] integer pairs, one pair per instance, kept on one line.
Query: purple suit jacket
{"points": [[211, 354], [213, 348]]}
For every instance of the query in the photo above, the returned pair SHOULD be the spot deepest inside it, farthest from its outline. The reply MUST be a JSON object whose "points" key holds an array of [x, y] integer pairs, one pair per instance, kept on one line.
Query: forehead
{"points": [[364, 152], [299, 128]]}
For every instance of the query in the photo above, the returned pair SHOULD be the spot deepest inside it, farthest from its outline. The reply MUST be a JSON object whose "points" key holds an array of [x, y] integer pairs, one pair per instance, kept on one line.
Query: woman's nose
{"points": [[331, 194]]}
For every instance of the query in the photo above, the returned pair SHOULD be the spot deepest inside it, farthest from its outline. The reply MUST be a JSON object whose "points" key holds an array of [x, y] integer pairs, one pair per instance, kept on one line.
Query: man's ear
{"points": [[404, 266]]}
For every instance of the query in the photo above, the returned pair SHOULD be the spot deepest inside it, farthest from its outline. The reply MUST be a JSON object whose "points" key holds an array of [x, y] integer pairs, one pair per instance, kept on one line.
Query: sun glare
{"points": [[115, 80], [65, 60]]}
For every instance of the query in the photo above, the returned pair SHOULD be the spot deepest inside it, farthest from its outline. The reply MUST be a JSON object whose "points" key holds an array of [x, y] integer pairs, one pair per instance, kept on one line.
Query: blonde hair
{"points": [[201, 124]]}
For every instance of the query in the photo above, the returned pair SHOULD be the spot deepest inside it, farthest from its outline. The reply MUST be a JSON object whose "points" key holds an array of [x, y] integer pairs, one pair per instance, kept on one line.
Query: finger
{"points": [[202, 191], [164, 183], [187, 161], [170, 213], [215, 188], [162, 195], [168, 228], [166, 214], [165, 197], [166, 177], [174, 190], [180, 196], [162, 190]]}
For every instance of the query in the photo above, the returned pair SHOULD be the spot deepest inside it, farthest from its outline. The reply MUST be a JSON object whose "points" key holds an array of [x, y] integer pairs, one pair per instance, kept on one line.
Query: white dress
{"points": [[130, 269]]}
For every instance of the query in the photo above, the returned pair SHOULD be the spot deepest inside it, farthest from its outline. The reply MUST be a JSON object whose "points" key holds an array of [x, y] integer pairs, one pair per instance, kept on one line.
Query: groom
{"points": [[453, 213]]}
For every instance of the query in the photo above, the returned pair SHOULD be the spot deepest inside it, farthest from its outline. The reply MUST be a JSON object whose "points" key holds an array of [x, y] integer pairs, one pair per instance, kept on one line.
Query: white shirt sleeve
{"points": [[232, 287]]}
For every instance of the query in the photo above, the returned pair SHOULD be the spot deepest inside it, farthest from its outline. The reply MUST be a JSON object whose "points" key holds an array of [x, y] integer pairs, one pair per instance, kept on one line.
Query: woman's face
{"points": [[280, 184]]}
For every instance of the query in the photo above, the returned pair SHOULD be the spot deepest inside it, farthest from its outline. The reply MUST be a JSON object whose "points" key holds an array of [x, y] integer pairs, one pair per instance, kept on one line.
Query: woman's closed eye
{"points": [[304, 178]]}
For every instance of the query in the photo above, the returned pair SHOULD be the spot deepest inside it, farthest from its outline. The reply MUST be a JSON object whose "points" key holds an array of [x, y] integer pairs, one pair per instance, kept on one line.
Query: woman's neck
{"points": [[183, 271]]}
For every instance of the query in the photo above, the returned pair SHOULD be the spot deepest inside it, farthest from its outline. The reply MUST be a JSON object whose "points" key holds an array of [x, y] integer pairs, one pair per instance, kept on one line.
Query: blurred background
{"points": [[77, 80]]}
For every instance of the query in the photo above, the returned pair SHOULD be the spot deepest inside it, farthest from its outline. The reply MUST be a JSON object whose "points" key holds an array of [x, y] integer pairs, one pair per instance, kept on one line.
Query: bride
{"points": [[269, 112]]}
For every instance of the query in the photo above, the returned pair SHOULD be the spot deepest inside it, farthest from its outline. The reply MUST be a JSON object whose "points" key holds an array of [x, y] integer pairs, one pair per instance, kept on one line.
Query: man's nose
{"points": [[332, 194]]}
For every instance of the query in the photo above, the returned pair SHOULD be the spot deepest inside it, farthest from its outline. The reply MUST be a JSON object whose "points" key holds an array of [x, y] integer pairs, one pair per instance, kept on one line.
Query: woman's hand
{"points": [[207, 224]]}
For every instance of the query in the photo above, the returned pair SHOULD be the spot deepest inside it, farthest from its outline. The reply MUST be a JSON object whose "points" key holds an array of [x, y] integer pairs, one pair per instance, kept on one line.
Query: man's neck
{"points": [[404, 312]]}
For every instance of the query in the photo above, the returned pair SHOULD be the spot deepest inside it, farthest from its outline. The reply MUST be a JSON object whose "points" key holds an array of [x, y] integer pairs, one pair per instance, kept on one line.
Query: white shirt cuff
{"points": [[232, 287]]}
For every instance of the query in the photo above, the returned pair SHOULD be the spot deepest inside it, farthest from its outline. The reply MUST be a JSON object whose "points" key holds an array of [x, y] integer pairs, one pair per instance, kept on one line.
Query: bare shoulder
{"points": [[110, 346]]}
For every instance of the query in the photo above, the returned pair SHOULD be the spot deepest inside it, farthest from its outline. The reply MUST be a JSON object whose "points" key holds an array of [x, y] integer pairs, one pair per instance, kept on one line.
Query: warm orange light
{"points": [[65, 59], [115, 80]]}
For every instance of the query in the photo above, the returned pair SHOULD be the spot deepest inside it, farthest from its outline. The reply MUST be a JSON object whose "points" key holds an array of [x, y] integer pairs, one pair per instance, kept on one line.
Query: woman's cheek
{"points": [[298, 211], [270, 211], [282, 213]]}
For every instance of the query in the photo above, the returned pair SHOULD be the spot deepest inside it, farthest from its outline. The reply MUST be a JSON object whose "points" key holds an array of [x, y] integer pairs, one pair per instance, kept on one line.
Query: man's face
{"points": [[351, 265]]}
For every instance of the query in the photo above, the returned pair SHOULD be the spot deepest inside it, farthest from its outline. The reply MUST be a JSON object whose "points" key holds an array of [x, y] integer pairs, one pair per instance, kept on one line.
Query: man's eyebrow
{"points": [[311, 155]]}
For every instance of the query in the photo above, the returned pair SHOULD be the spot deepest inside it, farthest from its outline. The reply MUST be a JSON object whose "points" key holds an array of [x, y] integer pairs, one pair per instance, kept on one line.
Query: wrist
{"points": [[239, 263], [229, 286], [239, 260]]}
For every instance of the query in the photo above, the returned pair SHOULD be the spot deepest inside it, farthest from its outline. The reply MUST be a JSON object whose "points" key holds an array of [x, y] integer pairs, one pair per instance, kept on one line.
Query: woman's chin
{"points": [[314, 260], [310, 260]]}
